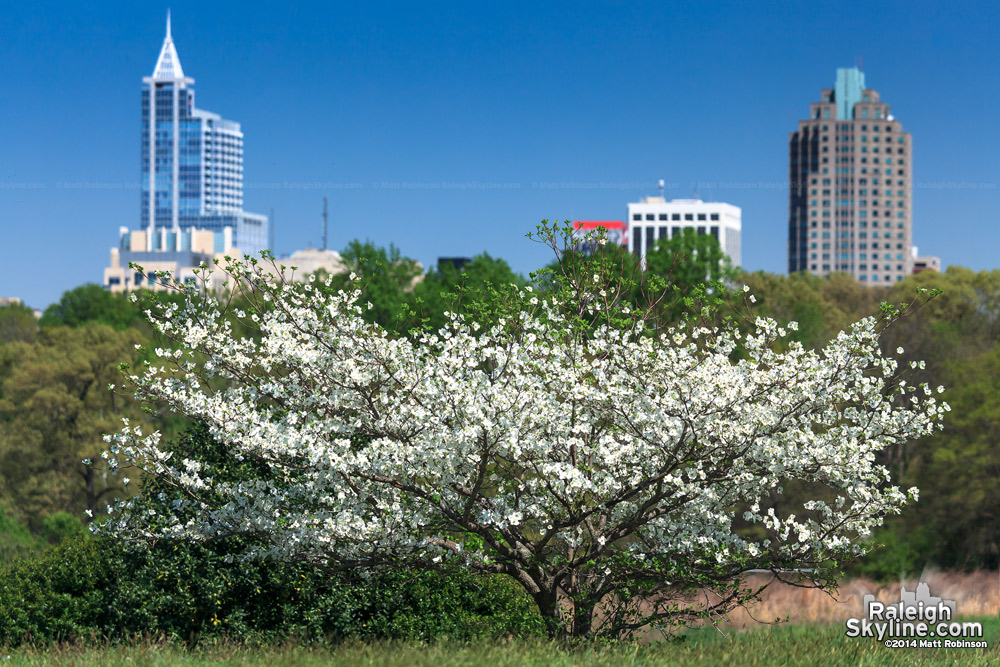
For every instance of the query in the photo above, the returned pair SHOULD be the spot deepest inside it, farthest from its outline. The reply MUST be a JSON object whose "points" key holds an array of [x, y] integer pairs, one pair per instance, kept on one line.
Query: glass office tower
{"points": [[192, 163]]}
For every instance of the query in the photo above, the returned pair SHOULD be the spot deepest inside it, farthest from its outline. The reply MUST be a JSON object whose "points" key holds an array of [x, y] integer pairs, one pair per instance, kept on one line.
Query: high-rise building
{"points": [[192, 163], [850, 173], [655, 218]]}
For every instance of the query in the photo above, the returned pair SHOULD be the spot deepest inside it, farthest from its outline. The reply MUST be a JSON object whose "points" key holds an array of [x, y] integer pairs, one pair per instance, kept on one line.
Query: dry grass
{"points": [[975, 594]]}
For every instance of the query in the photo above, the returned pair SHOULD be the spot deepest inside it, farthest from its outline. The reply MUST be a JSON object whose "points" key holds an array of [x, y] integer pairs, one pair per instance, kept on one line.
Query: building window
{"points": [[663, 216], [676, 216], [650, 216], [637, 216], [689, 216]]}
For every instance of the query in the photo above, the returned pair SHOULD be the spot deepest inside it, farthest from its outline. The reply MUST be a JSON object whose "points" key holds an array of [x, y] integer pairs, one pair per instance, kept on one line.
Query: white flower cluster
{"points": [[544, 445]]}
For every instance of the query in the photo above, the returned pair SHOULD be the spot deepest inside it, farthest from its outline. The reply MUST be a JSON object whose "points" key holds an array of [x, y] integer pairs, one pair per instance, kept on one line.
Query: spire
{"points": [[168, 65]]}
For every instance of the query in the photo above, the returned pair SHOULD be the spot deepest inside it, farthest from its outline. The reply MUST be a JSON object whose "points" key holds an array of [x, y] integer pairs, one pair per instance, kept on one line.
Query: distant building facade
{"points": [[180, 254], [923, 263], [850, 195], [303, 263], [654, 218], [191, 161], [616, 230]]}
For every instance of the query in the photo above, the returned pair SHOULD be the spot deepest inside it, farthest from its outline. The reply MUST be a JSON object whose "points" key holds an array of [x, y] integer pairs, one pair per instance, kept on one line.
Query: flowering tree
{"points": [[614, 468]]}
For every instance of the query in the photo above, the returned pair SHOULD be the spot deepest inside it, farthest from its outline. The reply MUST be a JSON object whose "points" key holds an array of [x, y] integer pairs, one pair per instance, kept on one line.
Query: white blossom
{"points": [[616, 442]]}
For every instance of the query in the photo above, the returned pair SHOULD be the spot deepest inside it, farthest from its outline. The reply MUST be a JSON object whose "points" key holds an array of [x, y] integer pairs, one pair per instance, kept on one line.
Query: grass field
{"points": [[814, 635], [767, 646]]}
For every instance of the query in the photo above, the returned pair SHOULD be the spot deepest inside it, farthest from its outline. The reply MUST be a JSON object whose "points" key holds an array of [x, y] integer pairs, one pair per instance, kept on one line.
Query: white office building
{"points": [[655, 218]]}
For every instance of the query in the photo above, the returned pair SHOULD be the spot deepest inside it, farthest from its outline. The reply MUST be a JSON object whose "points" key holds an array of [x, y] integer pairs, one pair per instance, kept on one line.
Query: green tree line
{"points": [[55, 404]]}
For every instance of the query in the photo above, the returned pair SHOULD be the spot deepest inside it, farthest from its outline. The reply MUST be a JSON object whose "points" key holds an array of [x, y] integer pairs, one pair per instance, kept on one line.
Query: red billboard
{"points": [[617, 230]]}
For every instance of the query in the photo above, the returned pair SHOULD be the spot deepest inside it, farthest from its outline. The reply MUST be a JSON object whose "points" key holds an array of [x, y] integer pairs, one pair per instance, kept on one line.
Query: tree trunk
{"points": [[583, 618], [88, 476], [548, 606]]}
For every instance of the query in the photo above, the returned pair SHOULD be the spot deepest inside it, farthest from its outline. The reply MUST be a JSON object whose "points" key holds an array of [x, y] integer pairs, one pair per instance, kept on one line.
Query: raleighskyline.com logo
{"points": [[918, 620]]}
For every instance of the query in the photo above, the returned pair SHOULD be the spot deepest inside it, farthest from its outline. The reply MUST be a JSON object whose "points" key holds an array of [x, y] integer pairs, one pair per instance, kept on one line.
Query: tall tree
{"points": [[450, 289], [689, 259], [17, 323], [604, 463], [386, 279], [92, 303], [55, 409]]}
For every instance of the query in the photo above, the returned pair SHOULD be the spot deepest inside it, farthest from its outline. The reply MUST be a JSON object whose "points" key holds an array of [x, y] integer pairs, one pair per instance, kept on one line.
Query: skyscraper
{"points": [[192, 164], [850, 193]]}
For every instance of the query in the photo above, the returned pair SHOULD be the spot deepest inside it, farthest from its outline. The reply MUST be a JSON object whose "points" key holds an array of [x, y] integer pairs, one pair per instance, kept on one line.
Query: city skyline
{"points": [[453, 131]]}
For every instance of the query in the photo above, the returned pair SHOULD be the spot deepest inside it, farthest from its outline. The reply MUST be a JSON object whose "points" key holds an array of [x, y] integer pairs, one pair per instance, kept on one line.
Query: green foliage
{"points": [[386, 280], [685, 278], [61, 526], [956, 525], [821, 306], [17, 323], [92, 303], [54, 410], [16, 541], [689, 259], [96, 588], [461, 290]]}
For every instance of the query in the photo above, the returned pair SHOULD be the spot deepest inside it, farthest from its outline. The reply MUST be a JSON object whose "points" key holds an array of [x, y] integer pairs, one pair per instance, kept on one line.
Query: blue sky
{"points": [[453, 128]]}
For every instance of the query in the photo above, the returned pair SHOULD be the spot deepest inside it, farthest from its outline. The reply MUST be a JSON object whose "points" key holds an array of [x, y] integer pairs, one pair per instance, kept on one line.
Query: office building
{"points": [[923, 263], [191, 249], [655, 218], [616, 231], [850, 173], [188, 249], [191, 163]]}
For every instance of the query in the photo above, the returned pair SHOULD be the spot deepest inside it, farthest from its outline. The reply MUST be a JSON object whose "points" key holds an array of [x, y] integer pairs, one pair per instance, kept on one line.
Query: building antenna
{"points": [[270, 232], [324, 223], [661, 184]]}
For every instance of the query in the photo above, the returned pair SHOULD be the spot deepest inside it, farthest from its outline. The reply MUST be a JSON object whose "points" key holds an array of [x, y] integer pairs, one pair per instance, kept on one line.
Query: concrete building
{"points": [[655, 218], [191, 161], [850, 195], [616, 230], [181, 254], [178, 253], [925, 262], [305, 263]]}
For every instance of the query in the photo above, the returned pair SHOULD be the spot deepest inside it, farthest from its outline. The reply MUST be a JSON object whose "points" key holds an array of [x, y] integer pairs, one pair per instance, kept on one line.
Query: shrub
{"points": [[95, 588]]}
